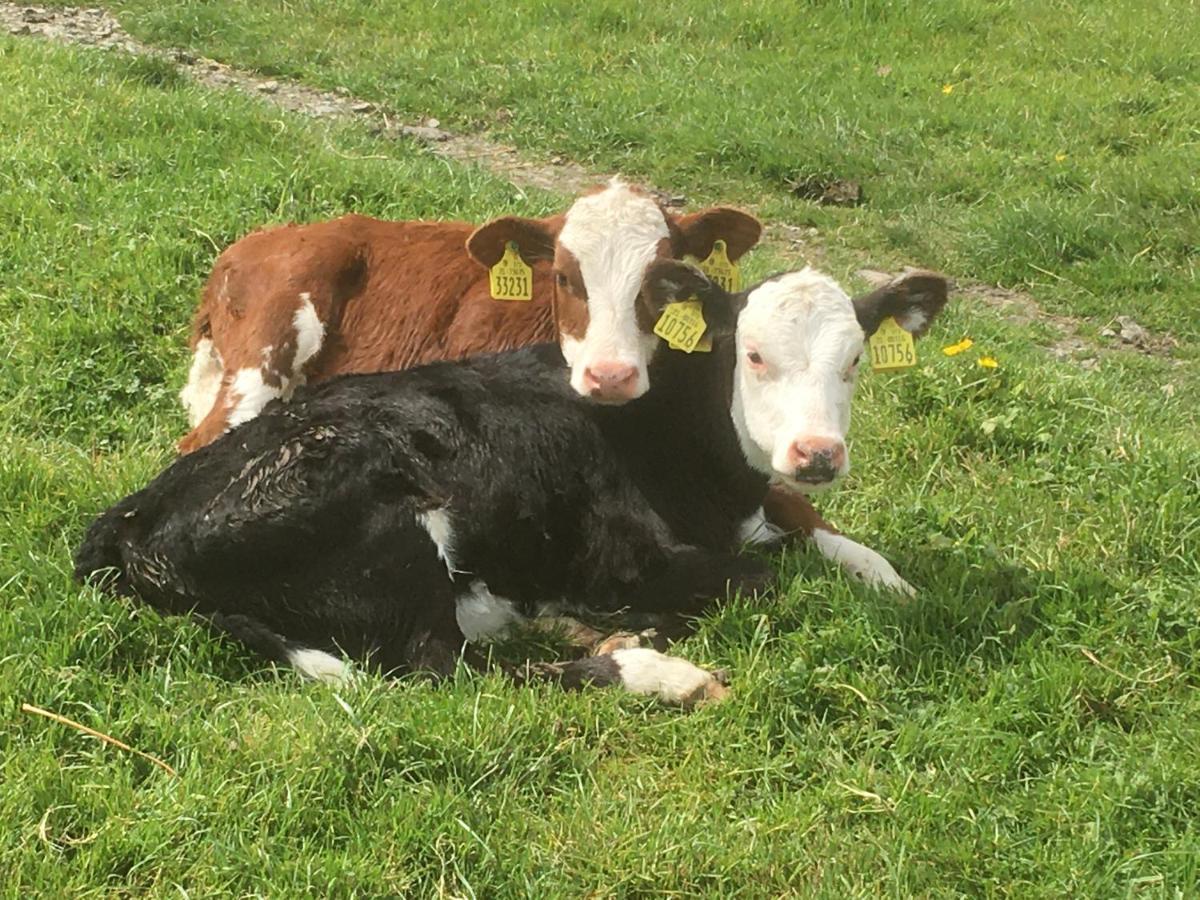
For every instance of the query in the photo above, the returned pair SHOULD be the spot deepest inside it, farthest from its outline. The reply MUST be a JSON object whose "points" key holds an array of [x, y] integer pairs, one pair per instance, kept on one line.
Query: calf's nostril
{"points": [[816, 459]]}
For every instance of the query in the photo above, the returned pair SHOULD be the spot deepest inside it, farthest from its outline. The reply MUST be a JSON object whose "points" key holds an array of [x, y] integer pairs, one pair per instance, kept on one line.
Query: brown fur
{"points": [[390, 294], [397, 294]]}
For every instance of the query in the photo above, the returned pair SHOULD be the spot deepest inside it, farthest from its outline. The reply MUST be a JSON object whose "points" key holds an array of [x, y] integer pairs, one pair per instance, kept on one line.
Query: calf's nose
{"points": [[816, 459], [610, 381]]}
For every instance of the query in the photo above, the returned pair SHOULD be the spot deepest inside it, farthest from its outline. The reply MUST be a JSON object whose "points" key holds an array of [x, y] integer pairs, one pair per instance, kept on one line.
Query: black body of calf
{"points": [[314, 524]]}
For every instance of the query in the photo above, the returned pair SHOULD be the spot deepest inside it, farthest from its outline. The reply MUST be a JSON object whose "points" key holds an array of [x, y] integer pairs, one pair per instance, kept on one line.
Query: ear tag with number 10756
{"points": [[510, 278], [892, 347], [682, 326], [720, 269]]}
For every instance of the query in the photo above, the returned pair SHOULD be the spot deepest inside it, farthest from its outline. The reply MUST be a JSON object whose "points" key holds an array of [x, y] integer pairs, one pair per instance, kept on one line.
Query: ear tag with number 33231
{"points": [[681, 325], [721, 269], [510, 278], [892, 347]]}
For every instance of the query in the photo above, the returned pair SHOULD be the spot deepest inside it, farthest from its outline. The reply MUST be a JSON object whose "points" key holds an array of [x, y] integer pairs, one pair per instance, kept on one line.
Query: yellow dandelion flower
{"points": [[1059, 157], [988, 362], [955, 349], [947, 89]]}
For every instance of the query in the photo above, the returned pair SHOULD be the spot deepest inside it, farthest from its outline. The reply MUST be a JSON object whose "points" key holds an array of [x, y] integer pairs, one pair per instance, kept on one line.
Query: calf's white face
{"points": [[601, 249], [798, 346], [798, 341], [607, 241]]}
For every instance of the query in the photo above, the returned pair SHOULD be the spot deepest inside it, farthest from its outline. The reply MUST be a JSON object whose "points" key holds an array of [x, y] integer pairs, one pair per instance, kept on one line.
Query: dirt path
{"points": [[95, 27]]}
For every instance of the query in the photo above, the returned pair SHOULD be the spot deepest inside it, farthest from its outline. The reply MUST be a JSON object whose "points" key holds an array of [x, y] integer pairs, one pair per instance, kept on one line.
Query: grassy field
{"points": [[1020, 141], [1027, 727]]}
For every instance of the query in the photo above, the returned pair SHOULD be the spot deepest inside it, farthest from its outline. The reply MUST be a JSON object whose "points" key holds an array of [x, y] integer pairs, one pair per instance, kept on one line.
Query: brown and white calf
{"points": [[302, 303]]}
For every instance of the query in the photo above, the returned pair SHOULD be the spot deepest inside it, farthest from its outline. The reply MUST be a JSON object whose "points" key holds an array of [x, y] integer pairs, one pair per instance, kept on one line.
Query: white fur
{"points": [[804, 327], [203, 383], [860, 561], [319, 665], [755, 529], [614, 235], [671, 679], [441, 532], [913, 319], [310, 335], [482, 615], [249, 394]]}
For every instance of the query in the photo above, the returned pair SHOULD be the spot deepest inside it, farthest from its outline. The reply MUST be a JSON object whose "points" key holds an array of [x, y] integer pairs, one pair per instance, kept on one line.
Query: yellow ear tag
{"points": [[510, 278], [681, 325], [720, 269], [892, 347]]}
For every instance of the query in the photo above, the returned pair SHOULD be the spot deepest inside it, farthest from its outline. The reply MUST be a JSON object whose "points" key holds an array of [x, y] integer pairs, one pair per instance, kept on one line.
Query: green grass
{"points": [[1027, 727], [1063, 159]]}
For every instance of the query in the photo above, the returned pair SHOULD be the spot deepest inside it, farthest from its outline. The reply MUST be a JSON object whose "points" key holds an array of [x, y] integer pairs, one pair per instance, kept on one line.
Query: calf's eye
{"points": [[755, 359], [560, 279], [852, 370]]}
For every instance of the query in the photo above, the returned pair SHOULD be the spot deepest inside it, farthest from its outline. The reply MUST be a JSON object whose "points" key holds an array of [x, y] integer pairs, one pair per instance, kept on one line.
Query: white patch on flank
{"points": [[203, 383], [671, 679], [249, 393], [441, 532], [803, 327], [321, 666], [613, 234], [860, 561], [310, 334], [755, 529], [482, 615]]}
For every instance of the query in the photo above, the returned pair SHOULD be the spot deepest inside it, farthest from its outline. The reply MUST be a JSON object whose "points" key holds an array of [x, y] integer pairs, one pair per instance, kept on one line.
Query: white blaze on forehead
{"points": [[614, 235], [804, 327]]}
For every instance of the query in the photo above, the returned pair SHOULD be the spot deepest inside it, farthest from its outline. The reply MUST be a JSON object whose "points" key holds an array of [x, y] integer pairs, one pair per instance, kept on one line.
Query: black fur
{"points": [[300, 528]]}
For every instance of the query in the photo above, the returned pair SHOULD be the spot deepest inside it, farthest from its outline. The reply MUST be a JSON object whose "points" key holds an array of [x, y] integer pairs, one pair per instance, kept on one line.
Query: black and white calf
{"points": [[391, 517]]}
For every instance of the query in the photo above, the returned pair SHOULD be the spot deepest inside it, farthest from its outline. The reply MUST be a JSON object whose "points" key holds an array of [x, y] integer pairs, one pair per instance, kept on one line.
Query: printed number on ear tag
{"points": [[510, 278], [892, 347], [720, 269], [681, 325]]}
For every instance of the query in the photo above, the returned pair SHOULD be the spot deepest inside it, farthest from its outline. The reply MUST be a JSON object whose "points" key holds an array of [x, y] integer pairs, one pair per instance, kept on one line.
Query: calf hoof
{"points": [[669, 678], [626, 640]]}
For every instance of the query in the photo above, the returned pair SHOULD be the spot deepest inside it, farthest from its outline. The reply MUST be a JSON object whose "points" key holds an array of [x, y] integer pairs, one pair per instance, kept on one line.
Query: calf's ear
{"points": [[535, 239], [669, 280], [914, 299], [695, 233]]}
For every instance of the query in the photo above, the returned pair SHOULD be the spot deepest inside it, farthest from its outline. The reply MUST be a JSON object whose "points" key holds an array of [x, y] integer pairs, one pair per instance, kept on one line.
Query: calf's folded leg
{"points": [[794, 514]]}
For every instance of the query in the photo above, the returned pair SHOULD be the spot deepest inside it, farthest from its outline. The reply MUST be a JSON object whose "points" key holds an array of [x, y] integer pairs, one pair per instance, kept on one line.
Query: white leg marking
{"points": [[441, 532], [863, 562], [251, 393], [671, 679], [310, 334], [321, 666], [757, 530], [203, 383], [482, 615]]}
